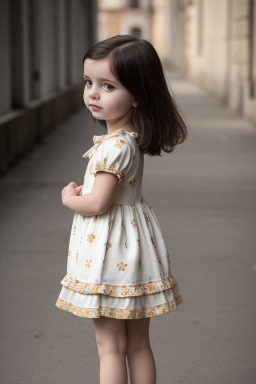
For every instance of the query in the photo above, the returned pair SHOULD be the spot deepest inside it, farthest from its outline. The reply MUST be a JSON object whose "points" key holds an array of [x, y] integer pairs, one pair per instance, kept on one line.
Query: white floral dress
{"points": [[117, 264]]}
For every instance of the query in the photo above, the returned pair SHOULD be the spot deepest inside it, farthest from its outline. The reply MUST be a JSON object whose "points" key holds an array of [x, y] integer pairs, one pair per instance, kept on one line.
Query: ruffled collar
{"points": [[97, 140]]}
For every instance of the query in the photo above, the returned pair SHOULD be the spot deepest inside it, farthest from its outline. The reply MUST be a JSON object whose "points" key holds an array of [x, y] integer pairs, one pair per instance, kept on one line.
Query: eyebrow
{"points": [[110, 81]]}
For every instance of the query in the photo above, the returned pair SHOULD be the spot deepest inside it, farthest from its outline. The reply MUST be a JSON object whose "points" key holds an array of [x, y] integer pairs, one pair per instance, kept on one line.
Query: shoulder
{"points": [[114, 154], [119, 143]]}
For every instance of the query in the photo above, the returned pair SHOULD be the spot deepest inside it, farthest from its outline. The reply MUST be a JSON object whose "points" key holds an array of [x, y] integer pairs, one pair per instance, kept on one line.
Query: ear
{"points": [[135, 104]]}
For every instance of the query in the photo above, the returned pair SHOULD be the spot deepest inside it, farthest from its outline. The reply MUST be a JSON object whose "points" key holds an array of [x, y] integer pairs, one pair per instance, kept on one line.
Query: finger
{"points": [[78, 189]]}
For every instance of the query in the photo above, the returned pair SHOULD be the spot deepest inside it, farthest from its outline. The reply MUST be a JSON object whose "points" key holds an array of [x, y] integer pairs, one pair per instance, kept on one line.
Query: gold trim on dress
{"points": [[148, 288], [117, 313]]}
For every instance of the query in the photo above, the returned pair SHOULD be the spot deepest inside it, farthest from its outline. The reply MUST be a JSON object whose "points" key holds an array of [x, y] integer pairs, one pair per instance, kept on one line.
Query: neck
{"points": [[125, 122]]}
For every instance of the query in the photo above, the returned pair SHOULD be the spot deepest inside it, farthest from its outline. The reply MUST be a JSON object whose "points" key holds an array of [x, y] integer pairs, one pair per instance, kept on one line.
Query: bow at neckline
{"points": [[97, 140]]}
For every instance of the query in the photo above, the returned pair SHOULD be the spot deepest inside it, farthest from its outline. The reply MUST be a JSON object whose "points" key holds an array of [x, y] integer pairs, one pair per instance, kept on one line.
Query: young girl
{"points": [[118, 268]]}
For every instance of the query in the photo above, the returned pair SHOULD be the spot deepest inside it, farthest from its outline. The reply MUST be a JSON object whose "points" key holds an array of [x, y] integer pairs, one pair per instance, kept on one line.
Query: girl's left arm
{"points": [[97, 201]]}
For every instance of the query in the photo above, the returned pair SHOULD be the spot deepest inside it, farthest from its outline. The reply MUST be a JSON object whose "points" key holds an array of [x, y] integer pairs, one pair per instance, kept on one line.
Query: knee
{"points": [[137, 344], [105, 346]]}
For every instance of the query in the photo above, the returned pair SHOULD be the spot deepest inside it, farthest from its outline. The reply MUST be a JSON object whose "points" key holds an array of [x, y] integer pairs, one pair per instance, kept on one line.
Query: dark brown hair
{"points": [[136, 65]]}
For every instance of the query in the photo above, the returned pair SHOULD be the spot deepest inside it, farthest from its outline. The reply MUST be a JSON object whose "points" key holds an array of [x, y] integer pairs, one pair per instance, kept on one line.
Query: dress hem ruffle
{"points": [[117, 313], [148, 288]]}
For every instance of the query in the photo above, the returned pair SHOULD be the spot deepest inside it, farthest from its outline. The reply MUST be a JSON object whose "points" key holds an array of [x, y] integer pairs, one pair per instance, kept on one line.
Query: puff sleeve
{"points": [[113, 156]]}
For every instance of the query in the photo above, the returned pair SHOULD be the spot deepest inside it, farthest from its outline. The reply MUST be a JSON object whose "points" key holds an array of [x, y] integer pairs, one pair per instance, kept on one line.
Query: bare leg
{"points": [[141, 361], [112, 349]]}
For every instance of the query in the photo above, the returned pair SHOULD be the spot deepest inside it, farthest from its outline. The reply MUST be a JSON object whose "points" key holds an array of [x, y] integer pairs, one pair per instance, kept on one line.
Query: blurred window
{"points": [[134, 4], [136, 31]]}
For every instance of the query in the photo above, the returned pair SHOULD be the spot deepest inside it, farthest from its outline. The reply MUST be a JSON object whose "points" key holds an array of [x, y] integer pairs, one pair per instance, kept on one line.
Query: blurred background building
{"points": [[125, 17], [219, 50], [42, 46], [212, 43]]}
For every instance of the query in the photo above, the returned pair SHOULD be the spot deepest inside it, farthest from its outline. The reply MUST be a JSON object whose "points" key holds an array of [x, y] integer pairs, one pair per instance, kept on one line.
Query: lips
{"points": [[94, 107]]}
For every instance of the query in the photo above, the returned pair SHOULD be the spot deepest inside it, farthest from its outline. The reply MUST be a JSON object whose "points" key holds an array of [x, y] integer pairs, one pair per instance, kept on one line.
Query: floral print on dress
{"points": [[90, 237], [127, 231], [146, 217], [113, 168], [153, 241], [122, 266], [133, 222], [132, 182], [108, 244], [88, 263], [110, 154], [158, 258], [119, 143], [148, 288], [116, 313]]}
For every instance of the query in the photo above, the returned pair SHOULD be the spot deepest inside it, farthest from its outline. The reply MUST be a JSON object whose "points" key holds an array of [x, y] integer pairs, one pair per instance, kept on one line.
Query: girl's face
{"points": [[104, 96]]}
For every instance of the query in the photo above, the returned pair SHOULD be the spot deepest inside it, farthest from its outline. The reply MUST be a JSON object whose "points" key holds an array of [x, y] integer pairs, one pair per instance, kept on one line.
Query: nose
{"points": [[93, 94]]}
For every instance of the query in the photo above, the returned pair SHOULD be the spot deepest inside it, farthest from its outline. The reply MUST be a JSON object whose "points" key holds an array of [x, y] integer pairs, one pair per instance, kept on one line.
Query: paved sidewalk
{"points": [[204, 197]]}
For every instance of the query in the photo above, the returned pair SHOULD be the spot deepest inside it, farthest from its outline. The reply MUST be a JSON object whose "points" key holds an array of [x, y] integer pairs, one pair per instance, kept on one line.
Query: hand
{"points": [[70, 190]]}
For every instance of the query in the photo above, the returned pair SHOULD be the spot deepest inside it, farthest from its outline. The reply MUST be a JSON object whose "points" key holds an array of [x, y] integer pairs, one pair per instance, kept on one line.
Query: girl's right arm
{"points": [[97, 201]]}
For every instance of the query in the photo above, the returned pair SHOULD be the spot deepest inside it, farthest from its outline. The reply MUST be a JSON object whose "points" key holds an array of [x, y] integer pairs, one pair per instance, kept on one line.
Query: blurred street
{"points": [[204, 197]]}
